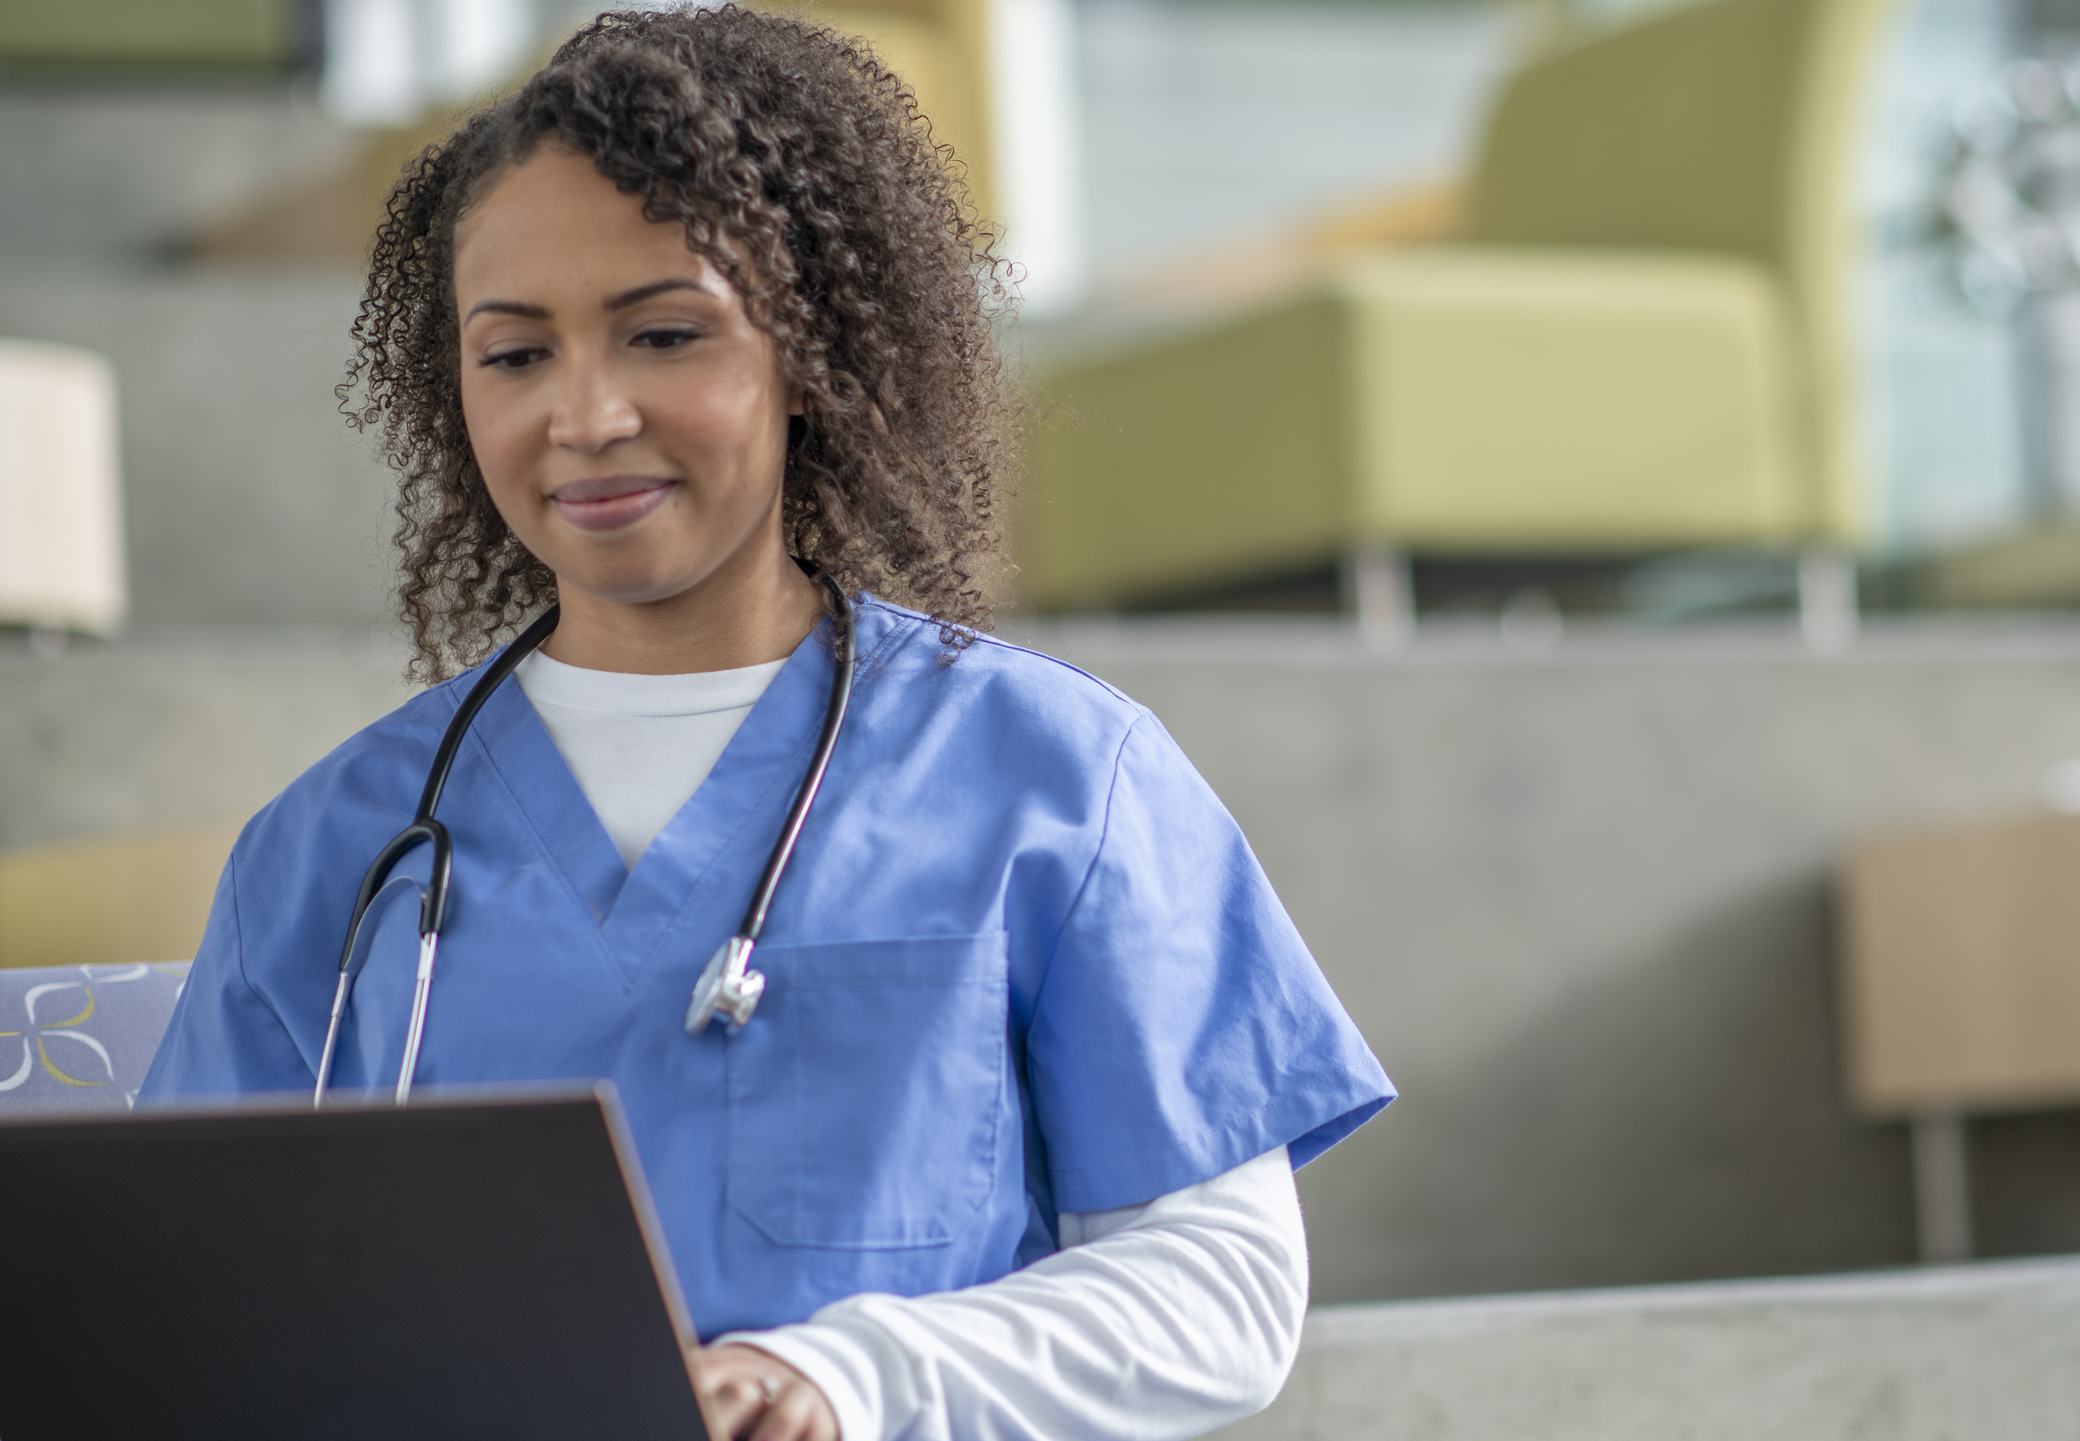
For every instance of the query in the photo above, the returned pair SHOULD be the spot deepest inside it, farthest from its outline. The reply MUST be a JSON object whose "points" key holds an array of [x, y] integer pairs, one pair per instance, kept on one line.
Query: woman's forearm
{"points": [[1152, 1323]]}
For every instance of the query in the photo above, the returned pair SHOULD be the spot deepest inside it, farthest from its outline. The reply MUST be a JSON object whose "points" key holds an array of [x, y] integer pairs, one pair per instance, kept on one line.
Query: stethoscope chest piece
{"points": [[728, 987]]}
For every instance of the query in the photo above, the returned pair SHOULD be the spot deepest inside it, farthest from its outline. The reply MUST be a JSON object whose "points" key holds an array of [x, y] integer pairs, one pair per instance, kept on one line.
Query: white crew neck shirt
{"points": [[640, 745]]}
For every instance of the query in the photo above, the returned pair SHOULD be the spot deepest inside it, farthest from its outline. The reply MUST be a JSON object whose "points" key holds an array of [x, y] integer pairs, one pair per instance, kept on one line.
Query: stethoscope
{"points": [[727, 985]]}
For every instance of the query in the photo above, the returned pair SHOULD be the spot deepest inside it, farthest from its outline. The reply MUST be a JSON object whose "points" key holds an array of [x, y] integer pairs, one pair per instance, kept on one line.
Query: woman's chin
{"points": [[633, 591]]}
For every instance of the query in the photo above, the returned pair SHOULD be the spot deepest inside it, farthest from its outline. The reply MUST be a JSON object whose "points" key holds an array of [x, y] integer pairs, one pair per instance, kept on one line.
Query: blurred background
{"points": [[1594, 484]]}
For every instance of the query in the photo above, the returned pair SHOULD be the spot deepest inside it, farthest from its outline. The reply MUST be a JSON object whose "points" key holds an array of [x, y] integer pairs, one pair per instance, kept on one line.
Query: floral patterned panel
{"points": [[79, 1038]]}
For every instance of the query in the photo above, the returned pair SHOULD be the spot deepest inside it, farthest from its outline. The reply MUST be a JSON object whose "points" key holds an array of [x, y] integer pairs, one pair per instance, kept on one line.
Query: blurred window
{"points": [[387, 62]]}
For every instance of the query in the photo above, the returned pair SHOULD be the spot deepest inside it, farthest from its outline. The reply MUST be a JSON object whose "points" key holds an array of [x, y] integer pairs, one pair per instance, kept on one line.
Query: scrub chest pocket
{"points": [[867, 1099]]}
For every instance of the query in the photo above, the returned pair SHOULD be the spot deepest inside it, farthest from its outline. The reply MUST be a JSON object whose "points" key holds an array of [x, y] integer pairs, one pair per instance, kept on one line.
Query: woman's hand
{"points": [[757, 1397]]}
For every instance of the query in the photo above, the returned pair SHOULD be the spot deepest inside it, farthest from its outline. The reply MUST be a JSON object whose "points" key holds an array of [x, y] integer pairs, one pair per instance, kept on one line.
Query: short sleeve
{"points": [[1182, 1028], [224, 1038]]}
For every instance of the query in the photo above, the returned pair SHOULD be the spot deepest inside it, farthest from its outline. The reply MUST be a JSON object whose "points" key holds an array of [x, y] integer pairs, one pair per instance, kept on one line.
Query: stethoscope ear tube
{"points": [[433, 899], [524, 645], [359, 939], [805, 795], [433, 910]]}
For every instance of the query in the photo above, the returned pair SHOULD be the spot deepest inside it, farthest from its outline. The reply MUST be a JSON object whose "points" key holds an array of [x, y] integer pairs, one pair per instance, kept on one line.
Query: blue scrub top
{"points": [[1023, 962]]}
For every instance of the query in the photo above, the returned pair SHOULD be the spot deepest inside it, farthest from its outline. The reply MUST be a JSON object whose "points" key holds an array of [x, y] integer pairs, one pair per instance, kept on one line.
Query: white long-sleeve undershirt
{"points": [[1153, 1322]]}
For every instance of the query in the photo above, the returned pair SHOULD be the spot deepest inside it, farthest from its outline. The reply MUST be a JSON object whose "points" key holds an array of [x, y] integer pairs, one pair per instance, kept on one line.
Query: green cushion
{"points": [[1465, 398], [1559, 399]]}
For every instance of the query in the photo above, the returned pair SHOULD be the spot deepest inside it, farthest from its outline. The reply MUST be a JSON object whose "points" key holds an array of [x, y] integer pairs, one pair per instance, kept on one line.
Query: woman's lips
{"points": [[610, 502]]}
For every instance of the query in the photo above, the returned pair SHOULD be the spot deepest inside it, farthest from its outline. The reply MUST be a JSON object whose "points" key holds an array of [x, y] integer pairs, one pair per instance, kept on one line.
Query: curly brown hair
{"points": [[803, 170]]}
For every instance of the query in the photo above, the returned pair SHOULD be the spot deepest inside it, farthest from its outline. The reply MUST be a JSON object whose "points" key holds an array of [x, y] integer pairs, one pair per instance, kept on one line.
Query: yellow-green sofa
{"points": [[1639, 341]]}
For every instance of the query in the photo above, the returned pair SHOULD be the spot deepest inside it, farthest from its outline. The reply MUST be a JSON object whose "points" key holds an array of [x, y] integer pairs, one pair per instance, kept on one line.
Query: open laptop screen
{"points": [[465, 1267]]}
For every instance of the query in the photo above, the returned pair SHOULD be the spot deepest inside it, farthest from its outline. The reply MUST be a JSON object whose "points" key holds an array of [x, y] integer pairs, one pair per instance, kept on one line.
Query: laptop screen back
{"points": [[459, 1269]]}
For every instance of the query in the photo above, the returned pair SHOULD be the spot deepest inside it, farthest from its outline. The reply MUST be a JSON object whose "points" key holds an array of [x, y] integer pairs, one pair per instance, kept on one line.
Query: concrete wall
{"points": [[104, 168], [1581, 907], [176, 730], [1579, 904], [248, 500], [1991, 1352]]}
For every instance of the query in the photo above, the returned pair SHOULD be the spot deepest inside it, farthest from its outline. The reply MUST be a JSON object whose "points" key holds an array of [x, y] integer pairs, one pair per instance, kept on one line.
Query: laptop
{"points": [[470, 1266]]}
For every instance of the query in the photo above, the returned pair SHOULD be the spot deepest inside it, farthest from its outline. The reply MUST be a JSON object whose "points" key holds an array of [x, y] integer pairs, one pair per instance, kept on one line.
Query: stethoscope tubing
{"points": [[812, 781], [359, 939], [425, 830]]}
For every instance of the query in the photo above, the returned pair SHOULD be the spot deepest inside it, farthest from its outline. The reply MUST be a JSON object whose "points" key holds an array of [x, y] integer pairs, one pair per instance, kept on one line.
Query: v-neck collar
{"points": [[718, 841]]}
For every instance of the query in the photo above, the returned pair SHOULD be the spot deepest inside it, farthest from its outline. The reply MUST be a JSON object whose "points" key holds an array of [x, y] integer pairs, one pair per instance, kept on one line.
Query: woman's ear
{"points": [[797, 403]]}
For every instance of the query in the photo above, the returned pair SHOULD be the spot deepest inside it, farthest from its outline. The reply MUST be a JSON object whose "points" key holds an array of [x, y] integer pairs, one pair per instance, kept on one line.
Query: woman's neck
{"points": [[725, 622]]}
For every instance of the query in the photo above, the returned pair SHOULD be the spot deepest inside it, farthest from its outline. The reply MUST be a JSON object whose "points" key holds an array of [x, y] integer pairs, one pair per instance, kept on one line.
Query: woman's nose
{"points": [[592, 412]]}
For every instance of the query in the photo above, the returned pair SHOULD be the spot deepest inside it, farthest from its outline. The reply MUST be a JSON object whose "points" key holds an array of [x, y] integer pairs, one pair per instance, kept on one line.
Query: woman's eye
{"points": [[666, 338], [516, 359]]}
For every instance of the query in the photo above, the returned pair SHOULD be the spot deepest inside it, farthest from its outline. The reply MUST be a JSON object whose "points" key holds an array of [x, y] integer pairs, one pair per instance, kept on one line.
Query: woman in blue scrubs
{"points": [[1007, 1149]]}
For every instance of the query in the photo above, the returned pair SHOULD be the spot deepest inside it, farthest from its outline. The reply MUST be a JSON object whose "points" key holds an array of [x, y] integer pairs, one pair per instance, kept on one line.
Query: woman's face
{"points": [[628, 418]]}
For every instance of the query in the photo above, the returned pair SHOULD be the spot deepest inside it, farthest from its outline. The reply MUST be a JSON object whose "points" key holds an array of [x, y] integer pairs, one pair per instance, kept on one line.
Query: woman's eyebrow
{"points": [[508, 307], [656, 287], [626, 298]]}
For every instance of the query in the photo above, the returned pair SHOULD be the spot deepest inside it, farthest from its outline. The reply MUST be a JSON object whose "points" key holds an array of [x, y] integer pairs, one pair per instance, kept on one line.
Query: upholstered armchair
{"points": [[1639, 340]]}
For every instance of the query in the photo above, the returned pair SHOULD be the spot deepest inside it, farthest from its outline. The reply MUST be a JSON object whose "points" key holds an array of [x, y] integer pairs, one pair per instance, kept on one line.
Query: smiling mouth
{"points": [[609, 502]]}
